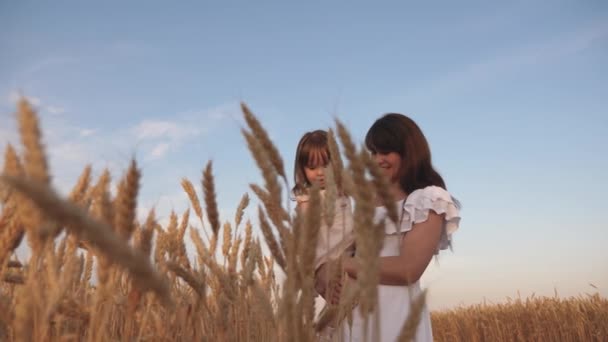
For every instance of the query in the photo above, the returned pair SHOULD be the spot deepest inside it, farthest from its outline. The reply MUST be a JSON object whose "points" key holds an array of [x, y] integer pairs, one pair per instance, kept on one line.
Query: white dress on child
{"points": [[394, 301], [335, 240]]}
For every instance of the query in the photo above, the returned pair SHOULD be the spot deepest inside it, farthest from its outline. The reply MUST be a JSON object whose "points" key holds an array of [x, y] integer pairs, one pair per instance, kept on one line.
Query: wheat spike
{"points": [[96, 232], [101, 196], [196, 204], [262, 135], [183, 225], [329, 200], [381, 184], [210, 202], [126, 202], [213, 244], [12, 230], [227, 240], [36, 165], [24, 315], [367, 235], [12, 166], [88, 269], [270, 239], [233, 256], [145, 242], [347, 142], [336, 159], [188, 277], [79, 191], [410, 327], [240, 210], [247, 244], [264, 163], [307, 253], [198, 243]]}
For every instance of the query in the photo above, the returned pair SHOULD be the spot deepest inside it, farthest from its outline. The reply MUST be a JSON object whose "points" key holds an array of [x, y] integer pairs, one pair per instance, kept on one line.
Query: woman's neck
{"points": [[397, 192]]}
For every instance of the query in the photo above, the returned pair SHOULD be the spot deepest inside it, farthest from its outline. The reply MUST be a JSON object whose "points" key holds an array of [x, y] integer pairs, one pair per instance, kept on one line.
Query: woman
{"points": [[428, 215]]}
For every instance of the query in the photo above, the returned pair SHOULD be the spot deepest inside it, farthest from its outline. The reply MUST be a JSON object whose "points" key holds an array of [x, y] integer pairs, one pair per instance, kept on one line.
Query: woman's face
{"points": [[390, 163]]}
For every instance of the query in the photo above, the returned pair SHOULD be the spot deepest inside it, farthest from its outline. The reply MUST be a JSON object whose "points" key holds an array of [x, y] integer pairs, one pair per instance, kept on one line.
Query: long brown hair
{"points": [[398, 133], [312, 150]]}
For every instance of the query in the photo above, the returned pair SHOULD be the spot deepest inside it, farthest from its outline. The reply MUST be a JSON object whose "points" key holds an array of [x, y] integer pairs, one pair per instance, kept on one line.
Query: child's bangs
{"points": [[314, 156]]}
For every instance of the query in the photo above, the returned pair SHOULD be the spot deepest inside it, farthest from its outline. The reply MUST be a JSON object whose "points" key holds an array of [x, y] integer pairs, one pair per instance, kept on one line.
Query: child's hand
{"points": [[335, 291], [328, 282], [350, 266], [321, 279]]}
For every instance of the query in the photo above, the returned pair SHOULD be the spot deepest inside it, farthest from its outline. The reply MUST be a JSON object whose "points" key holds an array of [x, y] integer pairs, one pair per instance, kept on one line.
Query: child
{"points": [[311, 161]]}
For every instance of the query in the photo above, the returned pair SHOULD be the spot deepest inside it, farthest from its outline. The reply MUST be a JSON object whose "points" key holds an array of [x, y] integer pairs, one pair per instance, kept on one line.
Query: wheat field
{"points": [[96, 273]]}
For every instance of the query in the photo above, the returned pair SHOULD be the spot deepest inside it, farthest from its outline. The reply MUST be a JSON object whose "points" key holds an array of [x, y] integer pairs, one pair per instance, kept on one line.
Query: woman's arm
{"points": [[417, 249]]}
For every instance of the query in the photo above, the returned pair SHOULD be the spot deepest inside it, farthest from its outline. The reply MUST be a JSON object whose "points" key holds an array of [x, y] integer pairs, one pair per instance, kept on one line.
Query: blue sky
{"points": [[511, 95]]}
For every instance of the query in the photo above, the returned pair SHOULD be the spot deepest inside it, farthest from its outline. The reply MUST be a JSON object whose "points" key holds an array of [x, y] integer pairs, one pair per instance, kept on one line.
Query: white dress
{"points": [[334, 241], [394, 301]]}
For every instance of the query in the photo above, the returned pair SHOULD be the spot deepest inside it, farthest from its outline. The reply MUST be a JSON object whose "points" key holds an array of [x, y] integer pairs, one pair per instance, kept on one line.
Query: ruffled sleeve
{"points": [[417, 207]]}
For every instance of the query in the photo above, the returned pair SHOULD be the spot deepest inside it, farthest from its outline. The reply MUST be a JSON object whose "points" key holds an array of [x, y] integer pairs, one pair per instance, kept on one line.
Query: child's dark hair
{"points": [[312, 150], [398, 133]]}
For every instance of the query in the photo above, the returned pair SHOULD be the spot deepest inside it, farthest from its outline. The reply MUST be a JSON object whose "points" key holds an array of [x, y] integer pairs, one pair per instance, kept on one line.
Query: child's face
{"points": [[390, 163], [315, 174]]}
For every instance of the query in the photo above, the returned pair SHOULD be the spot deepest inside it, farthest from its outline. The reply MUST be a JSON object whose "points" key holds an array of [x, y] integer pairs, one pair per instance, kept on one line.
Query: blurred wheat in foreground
{"points": [[94, 272]]}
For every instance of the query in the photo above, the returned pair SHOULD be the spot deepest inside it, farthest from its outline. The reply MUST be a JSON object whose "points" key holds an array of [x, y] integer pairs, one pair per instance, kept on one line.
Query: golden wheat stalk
{"points": [[79, 191], [329, 200], [11, 233], [240, 210], [101, 195], [410, 327], [126, 202], [367, 235], [336, 159], [269, 173], [247, 273], [96, 232], [381, 184], [196, 204], [271, 241], [197, 285], [279, 214], [210, 202], [12, 166], [350, 151], [247, 243], [146, 236], [227, 240], [233, 255], [334, 315], [308, 253], [36, 165], [181, 233], [266, 142]]}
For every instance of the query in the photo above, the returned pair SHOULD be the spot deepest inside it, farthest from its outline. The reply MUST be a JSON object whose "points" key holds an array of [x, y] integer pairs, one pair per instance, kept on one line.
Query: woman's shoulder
{"points": [[430, 193], [420, 203]]}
